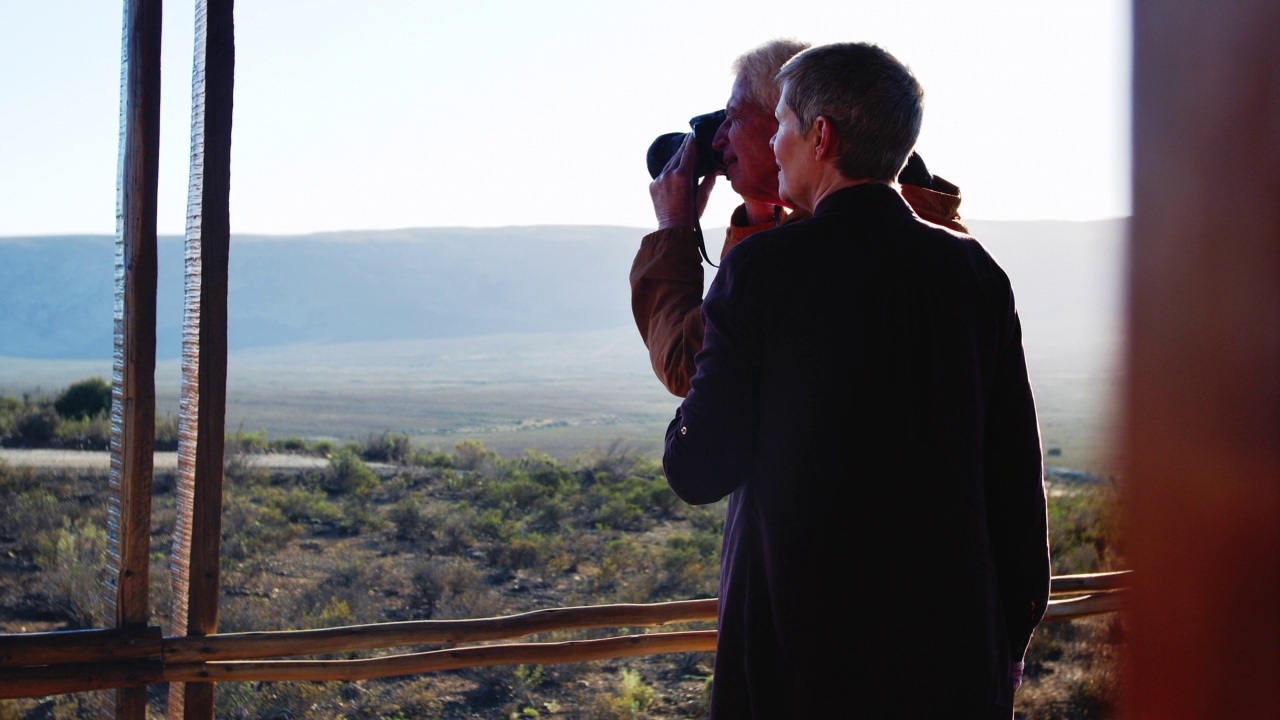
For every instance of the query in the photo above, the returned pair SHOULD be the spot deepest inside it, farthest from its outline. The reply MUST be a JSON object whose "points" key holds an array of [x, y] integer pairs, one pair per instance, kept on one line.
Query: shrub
{"points": [[302, 505], [517, 493], [75, 575], [433, 458], [454, 532], [251, 531], [493, 526], [515, 554], [291, 444], [387, 447], [243, 442], [279, 700], [472, 455], [348, 474], [434, 582], [633, 699], [1084, 532], [84, 399], [358, 516], [36, 426], [167, 433], [411, 520], [690, 565], [86, 433]]}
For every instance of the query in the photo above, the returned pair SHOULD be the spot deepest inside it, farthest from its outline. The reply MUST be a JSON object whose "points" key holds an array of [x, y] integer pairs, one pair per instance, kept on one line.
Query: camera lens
{"points": [[662, 150], [664, 147]]}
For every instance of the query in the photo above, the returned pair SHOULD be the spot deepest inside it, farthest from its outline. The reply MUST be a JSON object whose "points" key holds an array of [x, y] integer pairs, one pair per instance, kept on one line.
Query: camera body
{"points": [[709, 162]]}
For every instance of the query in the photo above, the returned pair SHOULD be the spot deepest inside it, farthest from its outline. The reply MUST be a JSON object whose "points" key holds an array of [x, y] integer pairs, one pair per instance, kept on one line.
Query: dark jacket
{"points": [[666, 279], [862, 394]]}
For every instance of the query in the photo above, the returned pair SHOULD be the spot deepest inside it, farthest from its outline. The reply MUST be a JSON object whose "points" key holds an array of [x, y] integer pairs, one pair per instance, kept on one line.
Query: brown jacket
{"points": [[666, 280]]}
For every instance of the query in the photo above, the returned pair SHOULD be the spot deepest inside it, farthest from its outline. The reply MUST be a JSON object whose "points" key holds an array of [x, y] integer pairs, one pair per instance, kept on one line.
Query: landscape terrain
{"points": [[474, 430]]}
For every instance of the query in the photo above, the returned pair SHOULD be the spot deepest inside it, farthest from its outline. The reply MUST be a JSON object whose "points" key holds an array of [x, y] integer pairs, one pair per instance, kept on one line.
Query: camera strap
{"points": [[697, 223], [702, 243]]}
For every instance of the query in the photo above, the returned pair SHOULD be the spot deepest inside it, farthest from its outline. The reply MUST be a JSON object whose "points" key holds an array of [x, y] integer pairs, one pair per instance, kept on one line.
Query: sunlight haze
{"points": [[391, 114]]}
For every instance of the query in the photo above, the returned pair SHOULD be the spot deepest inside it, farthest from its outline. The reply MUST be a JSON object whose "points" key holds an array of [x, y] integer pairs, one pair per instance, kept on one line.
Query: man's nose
{"points": [[720, 140]]}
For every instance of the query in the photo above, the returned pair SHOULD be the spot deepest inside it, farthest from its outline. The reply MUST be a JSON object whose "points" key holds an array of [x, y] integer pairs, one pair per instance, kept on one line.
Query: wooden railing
{"points": [[53, 663]]}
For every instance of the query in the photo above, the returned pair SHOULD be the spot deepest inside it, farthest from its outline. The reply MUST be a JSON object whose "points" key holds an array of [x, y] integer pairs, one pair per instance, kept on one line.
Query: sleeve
{"points": [[1017, 514], [666, 302], [709, 449], [666, 299], [940, 205]]}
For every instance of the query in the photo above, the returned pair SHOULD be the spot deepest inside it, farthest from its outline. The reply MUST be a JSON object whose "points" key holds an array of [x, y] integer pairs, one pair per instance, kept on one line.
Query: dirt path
{"points": [[90, 459]]}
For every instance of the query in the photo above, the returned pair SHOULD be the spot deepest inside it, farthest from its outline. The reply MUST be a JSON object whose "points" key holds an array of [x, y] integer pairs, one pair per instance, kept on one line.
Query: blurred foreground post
{"points": [[1202, 405]]}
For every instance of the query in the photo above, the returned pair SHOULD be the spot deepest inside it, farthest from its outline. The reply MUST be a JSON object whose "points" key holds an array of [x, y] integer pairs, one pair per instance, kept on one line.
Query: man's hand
{"points": [[673, 190]]}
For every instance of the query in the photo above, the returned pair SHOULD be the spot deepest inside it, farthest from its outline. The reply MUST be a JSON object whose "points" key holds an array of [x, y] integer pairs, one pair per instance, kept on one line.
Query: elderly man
{"points": [[666, 276], [862, 393]]}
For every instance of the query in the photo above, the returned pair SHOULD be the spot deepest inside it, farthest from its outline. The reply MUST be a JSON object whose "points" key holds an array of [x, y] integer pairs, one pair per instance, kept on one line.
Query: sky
{"points": [[416, 113]]}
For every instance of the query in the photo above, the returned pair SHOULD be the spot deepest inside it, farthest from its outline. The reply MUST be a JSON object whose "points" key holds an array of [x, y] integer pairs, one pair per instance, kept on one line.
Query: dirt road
{"points": [[89, 459]]}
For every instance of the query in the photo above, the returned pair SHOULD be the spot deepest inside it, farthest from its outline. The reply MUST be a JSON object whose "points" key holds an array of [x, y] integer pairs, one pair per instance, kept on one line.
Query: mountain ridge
{"points": [[56, 292]]}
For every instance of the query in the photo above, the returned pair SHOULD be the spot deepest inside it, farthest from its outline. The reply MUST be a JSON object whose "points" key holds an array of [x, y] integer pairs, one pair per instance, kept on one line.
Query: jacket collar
{"points": [[873, 197]]}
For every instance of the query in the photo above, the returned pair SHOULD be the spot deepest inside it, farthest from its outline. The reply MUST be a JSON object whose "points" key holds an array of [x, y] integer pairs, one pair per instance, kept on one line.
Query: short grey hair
{"points": [[871, 99], [759, 67]]}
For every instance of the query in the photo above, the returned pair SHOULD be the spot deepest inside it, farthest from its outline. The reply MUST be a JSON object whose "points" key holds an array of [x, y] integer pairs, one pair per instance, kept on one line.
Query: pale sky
{"points": [[416, 113]]}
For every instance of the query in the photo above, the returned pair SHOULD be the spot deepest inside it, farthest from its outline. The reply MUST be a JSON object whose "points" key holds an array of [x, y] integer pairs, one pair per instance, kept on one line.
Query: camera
{"points": [[704, 131]]}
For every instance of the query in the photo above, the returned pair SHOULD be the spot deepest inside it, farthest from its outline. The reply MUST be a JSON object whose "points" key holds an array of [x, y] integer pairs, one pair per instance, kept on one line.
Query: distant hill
{"points": [[432, 283]]}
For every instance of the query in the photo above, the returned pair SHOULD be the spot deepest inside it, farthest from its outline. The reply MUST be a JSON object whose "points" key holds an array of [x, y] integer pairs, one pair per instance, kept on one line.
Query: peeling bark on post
{"points": [[197, 532], [134, 318]]}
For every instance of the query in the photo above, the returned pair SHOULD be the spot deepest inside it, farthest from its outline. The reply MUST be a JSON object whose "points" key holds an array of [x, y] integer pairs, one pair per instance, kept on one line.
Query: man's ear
{"points": [[824, 138]]}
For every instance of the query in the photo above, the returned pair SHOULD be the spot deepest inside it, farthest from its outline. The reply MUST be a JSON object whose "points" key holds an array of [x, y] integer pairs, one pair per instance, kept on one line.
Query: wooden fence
{"points": [[41, 664]]}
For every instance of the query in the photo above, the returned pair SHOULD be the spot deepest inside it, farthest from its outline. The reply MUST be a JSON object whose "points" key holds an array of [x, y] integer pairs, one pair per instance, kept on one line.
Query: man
{"points": [[863, 395], [666, 276]]}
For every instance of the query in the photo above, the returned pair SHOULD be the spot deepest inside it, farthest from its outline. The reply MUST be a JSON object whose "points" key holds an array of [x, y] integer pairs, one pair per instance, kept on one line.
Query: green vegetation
{"points": [[387, 531]]}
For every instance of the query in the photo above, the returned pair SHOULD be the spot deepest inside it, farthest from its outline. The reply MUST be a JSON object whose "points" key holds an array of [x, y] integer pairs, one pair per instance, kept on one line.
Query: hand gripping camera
{"points": [[704, 131]]}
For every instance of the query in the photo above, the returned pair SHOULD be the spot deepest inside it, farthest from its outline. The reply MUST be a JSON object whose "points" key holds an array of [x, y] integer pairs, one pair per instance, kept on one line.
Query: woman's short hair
{"points": [[758, 69], [872, 101]]}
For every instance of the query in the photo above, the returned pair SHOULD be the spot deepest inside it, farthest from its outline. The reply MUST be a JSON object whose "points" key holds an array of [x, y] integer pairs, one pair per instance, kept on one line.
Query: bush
{"points": [[433, 458], [411, 520], [298, 505], [348, 474], [1084, 530], [86, 433], [167, 433], [36, 426], [436, 581], [472, 455], [75, 575], [691, 564], [248, 443], [251, 531], [387, 447], [84, 399], [632, 700]]}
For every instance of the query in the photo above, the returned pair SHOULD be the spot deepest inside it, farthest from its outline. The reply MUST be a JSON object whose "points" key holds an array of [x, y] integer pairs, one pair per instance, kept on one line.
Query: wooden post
{"points": [[202, 422], [1202, 403], [134, 316]]}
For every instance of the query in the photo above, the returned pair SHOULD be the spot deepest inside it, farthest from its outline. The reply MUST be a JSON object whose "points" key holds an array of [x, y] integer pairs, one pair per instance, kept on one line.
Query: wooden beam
{"points": [[79, 646], [452, 659], [134, 316], [1201, 423], [202, 422], [256, 645]]}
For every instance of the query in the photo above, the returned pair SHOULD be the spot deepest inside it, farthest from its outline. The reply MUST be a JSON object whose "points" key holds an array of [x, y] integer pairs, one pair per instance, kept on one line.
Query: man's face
{"points": [[793, 153], [744, 140]]}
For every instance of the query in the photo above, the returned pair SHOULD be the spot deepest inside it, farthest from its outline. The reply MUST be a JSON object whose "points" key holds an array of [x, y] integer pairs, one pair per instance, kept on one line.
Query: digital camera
{"points": [[704, 131]]}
